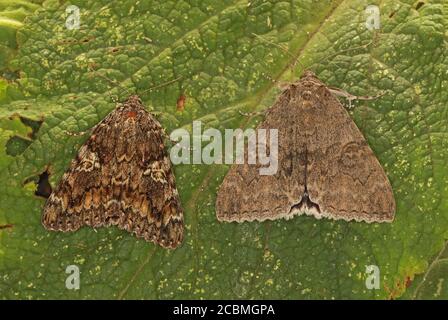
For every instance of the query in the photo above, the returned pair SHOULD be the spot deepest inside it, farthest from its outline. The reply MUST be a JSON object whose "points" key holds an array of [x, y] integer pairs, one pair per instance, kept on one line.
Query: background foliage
{"points": [[58, 83]]}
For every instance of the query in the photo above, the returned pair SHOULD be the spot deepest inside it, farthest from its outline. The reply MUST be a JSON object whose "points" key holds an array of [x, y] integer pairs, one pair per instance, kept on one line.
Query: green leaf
{"points": [[225, 69], [432, 284], [12, 14]]}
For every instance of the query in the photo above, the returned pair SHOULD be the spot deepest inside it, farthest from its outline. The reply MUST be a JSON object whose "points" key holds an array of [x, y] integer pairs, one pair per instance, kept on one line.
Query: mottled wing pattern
{"points": [[325, 168], [121, 176]]}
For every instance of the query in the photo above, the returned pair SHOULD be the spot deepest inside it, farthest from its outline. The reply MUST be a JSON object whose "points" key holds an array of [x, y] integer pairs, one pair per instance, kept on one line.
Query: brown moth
{"points": [[325, 166], [121, 176]]}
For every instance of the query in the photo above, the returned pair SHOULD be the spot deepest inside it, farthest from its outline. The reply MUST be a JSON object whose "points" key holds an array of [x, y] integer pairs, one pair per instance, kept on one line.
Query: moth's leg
{"points": [[114, 98], [157, 114], [77, 134], [262, 113], [252, 114], [170, 142], [350, 97], [173, 143], [282, 85]]}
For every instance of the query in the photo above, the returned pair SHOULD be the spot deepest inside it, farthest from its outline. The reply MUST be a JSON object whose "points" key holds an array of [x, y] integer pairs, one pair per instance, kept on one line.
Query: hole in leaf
{"points": [[17, 143], [33, 124], [43, 186], [419, 5]]}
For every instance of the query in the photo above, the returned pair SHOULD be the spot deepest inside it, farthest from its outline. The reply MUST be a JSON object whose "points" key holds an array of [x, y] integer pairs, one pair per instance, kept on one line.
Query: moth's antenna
{"points": [[113, 82], [162, 85], [363, 46], [280, 47], [298, 61]]}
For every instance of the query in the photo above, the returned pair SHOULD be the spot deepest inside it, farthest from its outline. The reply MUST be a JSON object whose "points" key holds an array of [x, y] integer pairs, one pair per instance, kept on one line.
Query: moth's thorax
{"points": [[308, 74], [304, 91], [306, 94], [131, 114], [305, 88], [132, 108]]}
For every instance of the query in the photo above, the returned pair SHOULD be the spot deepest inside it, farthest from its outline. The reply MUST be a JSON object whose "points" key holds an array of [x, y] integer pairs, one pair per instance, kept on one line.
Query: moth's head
{"points": [[308, 74], [132, 106], [134, 99], [306, 87]]}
